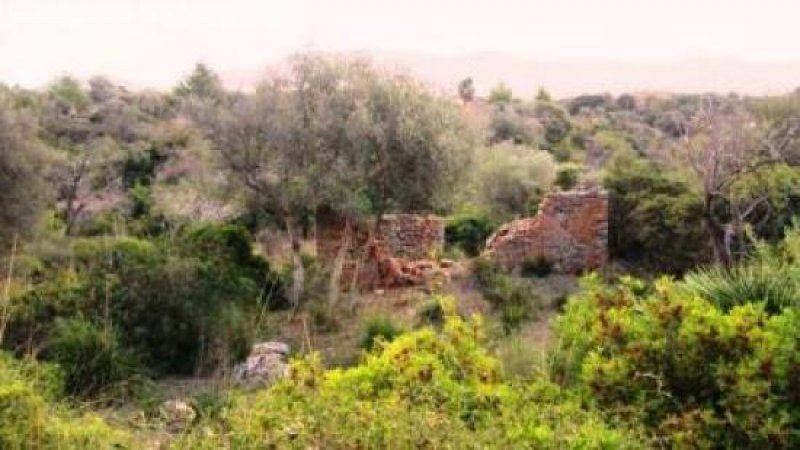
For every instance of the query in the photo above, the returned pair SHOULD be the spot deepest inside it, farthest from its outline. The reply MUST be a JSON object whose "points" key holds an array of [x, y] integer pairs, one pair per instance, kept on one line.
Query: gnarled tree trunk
{"points": [[298, 271], [334, 288]]}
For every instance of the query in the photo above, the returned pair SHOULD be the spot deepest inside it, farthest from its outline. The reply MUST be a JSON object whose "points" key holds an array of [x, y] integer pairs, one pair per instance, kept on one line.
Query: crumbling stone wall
{"points": [[413, 236], [570, 231], [391, 258]]}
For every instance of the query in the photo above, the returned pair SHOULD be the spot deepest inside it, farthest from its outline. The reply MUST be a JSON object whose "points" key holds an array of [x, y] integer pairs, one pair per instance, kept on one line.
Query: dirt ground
{"points": [[338, 342]]}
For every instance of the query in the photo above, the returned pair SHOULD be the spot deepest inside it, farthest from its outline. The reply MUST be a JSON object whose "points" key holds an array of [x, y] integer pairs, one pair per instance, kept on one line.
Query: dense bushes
{"points": [[423, 390], [656, 220], [92, 360], [377, 330], [181, 304], [30, 417], [468, 232], [695, 375], [567, 176]]}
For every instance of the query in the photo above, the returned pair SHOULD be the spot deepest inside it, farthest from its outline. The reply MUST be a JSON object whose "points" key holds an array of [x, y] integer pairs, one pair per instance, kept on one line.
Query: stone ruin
{"points": [[570, 232], [401, 253], [413, 236]]}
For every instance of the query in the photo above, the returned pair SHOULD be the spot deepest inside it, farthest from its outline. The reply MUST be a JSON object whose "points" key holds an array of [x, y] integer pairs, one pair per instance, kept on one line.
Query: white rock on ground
{"points": [[266, 364]]}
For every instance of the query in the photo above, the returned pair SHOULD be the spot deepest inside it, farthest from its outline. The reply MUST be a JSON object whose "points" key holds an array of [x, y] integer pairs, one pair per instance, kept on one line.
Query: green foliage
{"points": [[516, 298], [500, 94], [556, 121], [509, 125], [771, 276], [210, 405], [656, 220], [589, 102], [777, 287], [68, 94], [542, 95], [430, 313], [184, 304], [538, 267], [202, 83], [775, 192], [613, 143], [695, 375], [377, 330], [92, 360], [31, 419], [23, 191], [510, 179], [424, 389], [626, 102], [567, 176], [139, 166], [468, 231]]}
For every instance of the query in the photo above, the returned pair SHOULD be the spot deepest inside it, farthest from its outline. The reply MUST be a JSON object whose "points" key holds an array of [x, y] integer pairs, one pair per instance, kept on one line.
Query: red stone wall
{"points": [[391, 258], [570, 231]]}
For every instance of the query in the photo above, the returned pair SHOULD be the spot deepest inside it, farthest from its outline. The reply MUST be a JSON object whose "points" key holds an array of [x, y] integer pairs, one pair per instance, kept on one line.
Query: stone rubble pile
{"points": [[400, 255]]}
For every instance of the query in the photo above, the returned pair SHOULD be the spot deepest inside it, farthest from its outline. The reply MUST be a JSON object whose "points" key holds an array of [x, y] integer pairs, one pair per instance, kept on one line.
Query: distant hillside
{"points": [[525, 76]]}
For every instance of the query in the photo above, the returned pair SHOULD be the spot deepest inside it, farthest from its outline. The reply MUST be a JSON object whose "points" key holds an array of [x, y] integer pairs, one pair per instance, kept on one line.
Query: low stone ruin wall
{"points": [[413, 236], [394, 257], [570, 232]]}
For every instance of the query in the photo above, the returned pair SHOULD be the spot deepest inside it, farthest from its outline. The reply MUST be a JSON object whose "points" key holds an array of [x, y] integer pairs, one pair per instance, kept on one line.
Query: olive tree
{"points": [[23, 192], [509, 180], [339, 133]]}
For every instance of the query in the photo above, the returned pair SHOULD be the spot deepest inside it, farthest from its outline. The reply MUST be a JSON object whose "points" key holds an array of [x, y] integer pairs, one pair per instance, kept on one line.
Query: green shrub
{"points": [[468, 232], [510, 179], [92, 360], [776, 286], [31, 419], [513, 315], [183, 304], [567, 176], [655, 218], [516, 298], [210, 405], [423, 390], [538, 267], [316, 283], [430, 313], [771, 275], [379, 329], [695, 375], [322, 317], [483, 269], [520, 359], [99, 224]]}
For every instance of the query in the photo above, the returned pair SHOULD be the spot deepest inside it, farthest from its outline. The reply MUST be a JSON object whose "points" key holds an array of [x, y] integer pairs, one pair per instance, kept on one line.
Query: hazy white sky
{"points": [[154, 42]]}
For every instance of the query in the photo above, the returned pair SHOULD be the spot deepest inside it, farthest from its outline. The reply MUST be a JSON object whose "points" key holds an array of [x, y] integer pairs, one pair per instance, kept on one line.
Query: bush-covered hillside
{"points": [[149, 239]]}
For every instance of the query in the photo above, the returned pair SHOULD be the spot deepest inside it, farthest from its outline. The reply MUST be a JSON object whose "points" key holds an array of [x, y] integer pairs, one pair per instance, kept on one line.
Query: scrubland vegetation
{"points": [[138, 245]]}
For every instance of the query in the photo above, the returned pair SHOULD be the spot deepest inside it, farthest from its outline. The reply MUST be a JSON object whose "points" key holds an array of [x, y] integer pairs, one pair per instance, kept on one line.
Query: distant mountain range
{"points": [[562, 79]]}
